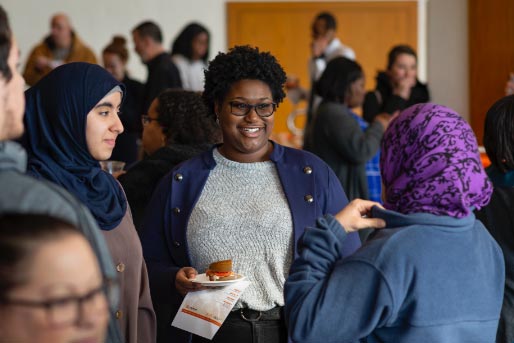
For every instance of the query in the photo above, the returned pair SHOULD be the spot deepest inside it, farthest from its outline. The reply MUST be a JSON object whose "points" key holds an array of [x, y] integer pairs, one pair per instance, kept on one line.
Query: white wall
{"points": [[96, 21], [447, 54]]}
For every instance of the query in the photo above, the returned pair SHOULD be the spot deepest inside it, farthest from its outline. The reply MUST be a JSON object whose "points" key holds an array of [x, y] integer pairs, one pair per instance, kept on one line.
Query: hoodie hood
{"points": [[12, 157]]}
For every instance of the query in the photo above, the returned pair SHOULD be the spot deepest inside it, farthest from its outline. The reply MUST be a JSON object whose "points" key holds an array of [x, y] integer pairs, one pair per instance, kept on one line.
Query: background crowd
{"points": [[369, 232]]}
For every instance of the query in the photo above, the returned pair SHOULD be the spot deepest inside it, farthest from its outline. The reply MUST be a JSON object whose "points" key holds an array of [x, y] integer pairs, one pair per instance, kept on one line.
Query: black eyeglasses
{"points": [[242, 109], [145, 119], [67, 311]]}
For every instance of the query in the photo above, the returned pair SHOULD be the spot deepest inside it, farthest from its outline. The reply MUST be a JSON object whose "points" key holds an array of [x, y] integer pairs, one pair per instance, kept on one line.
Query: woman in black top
{"points": [[115, 57], [398, 87]]}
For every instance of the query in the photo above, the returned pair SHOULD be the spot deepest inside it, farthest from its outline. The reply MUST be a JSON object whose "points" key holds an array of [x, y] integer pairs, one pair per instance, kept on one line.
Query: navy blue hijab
{"points": [[55, 138]]}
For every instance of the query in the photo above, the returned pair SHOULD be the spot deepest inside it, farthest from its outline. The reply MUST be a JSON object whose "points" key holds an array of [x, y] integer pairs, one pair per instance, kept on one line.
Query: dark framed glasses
{"points": [[145, 119], [65, 311], [241, 109]]}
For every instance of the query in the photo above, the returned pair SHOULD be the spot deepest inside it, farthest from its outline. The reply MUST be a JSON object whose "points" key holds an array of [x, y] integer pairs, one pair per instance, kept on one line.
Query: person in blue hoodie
{"points": [[434, 274]]}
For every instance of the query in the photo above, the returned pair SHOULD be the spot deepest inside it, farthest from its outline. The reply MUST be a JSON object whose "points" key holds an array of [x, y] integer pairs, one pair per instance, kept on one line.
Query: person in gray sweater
{"points": [[24, 194], [336, 136]]}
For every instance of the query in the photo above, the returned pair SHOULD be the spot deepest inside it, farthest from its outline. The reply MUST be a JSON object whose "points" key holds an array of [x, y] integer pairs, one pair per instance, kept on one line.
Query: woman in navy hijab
{"points": [[72, 122]]}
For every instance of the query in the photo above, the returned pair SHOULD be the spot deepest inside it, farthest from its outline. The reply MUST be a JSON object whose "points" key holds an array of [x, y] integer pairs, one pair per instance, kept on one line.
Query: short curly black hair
{"points": [[242, 63], [184, 118]]}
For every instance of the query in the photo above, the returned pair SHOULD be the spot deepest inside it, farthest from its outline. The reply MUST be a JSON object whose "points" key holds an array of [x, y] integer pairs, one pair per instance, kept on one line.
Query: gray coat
{"points": [[339, 141], [24, 194]]}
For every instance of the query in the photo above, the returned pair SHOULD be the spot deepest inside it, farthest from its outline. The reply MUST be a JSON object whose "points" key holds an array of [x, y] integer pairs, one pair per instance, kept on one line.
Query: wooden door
{"points": [[283, 28], [491, 56]]}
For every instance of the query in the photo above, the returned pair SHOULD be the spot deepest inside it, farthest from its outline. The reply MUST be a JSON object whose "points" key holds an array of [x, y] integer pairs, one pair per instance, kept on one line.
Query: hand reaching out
{"points": [[352, 217]]}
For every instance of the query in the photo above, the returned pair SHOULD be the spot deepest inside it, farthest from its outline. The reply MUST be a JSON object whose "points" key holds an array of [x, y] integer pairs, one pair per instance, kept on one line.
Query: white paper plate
{"points": [[203, 280]]}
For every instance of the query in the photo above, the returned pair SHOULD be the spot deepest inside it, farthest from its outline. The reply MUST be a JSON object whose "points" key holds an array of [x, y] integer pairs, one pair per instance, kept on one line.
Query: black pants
{"points": [[250, 327]]}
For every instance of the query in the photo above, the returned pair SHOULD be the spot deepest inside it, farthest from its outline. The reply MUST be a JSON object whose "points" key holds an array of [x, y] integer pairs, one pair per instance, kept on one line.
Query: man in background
{"points": [[162, 73], [62, 46], [325, 46]]}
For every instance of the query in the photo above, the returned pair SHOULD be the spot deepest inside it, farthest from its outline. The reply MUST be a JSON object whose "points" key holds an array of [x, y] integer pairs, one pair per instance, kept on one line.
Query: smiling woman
{"points": [[227, 202], [398, 87], [71, 123], [246, 120]]}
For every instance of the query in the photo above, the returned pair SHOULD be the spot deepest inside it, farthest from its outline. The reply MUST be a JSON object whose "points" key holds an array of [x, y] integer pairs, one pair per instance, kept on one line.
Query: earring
{"points": [[217, 119]]}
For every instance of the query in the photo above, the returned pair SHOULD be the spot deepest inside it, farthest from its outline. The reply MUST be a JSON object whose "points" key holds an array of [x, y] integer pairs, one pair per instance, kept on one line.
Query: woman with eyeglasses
{"points": [[72, 122], [176, 128], [247, 199], [51, 288]]}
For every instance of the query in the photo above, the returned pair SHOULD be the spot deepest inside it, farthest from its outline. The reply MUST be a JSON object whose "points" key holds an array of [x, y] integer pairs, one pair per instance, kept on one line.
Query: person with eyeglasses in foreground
{"points": [[51, 286], [432, 274], [247, 199]]}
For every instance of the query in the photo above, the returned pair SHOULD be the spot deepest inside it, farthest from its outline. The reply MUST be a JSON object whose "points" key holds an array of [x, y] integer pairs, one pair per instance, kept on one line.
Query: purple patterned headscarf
{"points": [[430, 163]]}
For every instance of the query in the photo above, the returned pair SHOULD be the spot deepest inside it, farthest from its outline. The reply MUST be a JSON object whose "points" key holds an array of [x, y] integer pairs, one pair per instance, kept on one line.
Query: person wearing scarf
{"points": [[433, 274], [71, 123], [497, 216]]}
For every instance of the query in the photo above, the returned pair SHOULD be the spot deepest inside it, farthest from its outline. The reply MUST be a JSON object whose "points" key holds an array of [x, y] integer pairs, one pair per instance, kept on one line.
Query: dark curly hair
{"points": [[183, 44], [184, 118], [5, 45], [499, 134], [242, 63]]}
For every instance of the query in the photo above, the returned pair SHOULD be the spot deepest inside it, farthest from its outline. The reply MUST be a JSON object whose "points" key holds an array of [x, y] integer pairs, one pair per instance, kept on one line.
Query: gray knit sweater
{"points": [[243, 215]]}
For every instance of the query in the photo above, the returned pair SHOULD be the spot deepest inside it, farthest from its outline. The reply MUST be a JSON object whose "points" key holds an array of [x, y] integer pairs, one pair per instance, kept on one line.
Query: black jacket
{"points": [[126, 149], [498, 218], [140, 181], [383, 100], [162, 74]]}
